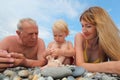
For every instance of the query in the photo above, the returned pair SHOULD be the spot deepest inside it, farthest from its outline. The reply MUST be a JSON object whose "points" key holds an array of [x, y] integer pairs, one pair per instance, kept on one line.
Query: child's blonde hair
{"points": [[61, 25]]}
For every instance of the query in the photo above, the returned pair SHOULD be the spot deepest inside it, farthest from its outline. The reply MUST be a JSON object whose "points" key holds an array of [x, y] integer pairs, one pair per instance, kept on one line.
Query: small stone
{"points": [[64, 78], [6, 78], [84, 79], [2, 76], [23, 73], [89, 75], [70, 78], [41, 78], [49, 78], [37, 70], [105, 77], [35, 77], [30, 77], [9, 73], [78, 71], [17, 78]]}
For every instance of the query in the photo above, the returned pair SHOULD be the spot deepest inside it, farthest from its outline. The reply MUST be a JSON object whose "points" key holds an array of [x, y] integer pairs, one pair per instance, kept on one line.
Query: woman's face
{"points": [[89, 31]]}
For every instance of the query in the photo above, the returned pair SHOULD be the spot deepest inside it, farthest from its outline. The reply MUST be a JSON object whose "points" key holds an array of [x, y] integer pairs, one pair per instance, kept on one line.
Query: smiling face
{"points": [[89, 30], [28, 34]]}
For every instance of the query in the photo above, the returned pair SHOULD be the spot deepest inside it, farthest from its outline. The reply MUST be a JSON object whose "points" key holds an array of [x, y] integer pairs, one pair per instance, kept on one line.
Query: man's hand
{"points": [[5, 60], [20, 60]]}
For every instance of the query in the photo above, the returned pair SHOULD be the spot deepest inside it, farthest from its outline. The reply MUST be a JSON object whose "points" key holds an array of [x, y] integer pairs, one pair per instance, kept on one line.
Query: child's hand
{"points": [[48, 51], [55, 52]]}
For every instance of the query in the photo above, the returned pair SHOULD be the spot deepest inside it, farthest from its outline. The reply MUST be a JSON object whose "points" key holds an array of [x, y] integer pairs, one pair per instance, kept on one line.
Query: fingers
{"points": [[17, 55], [5, 65], [48, 51], [6, 60], [20, 62], [19, 59], [4, 53]]}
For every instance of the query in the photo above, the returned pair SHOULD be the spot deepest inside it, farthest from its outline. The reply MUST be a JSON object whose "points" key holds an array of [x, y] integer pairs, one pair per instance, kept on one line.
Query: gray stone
{"points": [[78, 71], [37, 70], [70, 78], [41, 78], [23, 73], [9, 73], [2, 76], [56, 72], [6, 78], [49, 78], [105, 77]]}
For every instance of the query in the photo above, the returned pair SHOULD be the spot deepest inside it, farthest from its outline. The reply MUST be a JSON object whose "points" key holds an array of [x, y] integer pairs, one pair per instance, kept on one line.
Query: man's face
{"points": [[29, 34]]}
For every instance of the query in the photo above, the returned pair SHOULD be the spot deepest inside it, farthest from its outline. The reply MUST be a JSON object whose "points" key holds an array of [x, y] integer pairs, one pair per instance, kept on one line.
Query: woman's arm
{"points": [[107, 67], [79, 49]]}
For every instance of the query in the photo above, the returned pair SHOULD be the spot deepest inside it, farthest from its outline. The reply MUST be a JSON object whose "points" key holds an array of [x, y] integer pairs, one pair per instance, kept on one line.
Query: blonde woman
{"points": [[98, 45], [59, 49]]}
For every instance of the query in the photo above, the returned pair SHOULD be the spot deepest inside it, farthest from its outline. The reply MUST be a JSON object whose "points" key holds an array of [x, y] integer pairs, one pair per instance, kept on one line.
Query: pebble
{"points": [[17, 78], [23, 73], [78, 71], [55, 73], [9, 73], [70, 78]]}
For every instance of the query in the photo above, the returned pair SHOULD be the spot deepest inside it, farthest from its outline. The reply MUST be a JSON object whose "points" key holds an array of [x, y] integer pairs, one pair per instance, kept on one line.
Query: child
{"points": [[59, 49]]}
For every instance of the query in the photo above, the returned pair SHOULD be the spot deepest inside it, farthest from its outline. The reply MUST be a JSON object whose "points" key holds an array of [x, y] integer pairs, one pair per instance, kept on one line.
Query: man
{"points": [[26, 49]]}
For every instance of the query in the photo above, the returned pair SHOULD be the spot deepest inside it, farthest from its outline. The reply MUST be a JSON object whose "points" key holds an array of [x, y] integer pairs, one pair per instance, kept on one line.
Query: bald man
{"points": [[24, 49]]}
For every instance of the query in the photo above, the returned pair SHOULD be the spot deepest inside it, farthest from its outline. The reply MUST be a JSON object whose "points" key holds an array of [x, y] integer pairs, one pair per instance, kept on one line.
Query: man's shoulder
{"points": [[10, 38], [40, 40]]}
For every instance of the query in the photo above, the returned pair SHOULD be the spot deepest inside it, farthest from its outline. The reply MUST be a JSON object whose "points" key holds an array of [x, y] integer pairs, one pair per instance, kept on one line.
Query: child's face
{"points": [[59, 36]]}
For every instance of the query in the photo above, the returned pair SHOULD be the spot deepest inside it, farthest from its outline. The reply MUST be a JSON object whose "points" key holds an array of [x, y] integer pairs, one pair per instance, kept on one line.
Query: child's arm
{"points": [[69, 51]]}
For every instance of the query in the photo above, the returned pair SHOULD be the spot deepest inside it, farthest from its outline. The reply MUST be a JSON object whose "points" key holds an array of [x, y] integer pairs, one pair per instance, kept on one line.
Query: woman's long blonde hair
{"points": [[108, 33]]}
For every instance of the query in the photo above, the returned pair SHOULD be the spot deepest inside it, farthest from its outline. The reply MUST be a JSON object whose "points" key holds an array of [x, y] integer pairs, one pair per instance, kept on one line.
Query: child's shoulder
{"points": [[51, 43], [68, 42]]}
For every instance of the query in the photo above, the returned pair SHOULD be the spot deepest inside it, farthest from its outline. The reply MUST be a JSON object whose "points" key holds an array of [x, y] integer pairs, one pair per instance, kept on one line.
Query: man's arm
{"points": [[5, 59], [41, 60]]}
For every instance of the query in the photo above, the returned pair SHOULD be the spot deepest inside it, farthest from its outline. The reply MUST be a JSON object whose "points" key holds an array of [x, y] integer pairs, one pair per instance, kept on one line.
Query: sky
{"points": [[46, 12]]}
